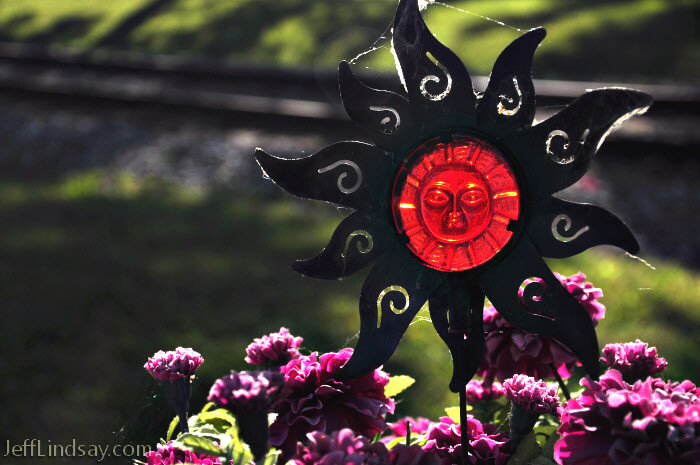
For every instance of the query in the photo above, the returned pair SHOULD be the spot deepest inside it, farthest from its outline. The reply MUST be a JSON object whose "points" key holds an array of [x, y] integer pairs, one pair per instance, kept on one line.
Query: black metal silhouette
{"points": [[439, 101]]}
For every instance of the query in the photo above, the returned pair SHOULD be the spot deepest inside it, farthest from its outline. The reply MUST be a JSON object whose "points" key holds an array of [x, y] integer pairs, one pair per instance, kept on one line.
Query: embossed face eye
{"points": [[473, 200], [437, 198]]}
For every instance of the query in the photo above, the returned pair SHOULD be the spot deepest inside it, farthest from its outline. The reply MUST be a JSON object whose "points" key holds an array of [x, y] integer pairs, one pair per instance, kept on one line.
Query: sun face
{"points": [[454, 199]]}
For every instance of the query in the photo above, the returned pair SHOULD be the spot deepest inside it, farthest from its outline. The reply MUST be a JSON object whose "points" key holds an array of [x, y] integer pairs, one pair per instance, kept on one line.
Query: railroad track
{"points": [[297, 94]]}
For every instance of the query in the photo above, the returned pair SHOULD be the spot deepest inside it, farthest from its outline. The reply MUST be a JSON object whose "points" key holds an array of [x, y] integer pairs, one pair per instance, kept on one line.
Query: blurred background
{"points": [[133, 217]]}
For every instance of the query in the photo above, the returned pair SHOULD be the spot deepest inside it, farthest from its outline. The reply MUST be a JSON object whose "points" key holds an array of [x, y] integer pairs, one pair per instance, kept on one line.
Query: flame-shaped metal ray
{"points": [[394, 291], [546, 307], [357, 242], [436, 91], [457, 312], [345, 173], [555, 153], [508, 103], [561, 229], [383, 115]]}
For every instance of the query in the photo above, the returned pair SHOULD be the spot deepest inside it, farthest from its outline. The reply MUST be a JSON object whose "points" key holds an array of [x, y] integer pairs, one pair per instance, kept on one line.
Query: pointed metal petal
{"points": [[435, 91], [561, 229], [394, 291], [546, 307], [357, 241], [555, 153], [467, 348], [346, 173], [384, 115], [508, 103]]}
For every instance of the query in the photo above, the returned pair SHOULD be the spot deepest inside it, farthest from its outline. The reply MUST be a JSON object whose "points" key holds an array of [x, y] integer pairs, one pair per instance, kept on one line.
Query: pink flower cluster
{"points": [[274, 349], [615, 423], [532, 395], [169, 455], [241, 392], [313, 400], [635, 360], [487, 446], [174, 364], [479, 391], [399, 429], [344, 448], [510, 351]]}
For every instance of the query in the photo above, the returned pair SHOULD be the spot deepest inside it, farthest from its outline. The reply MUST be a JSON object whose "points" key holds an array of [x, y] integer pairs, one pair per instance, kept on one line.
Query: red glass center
{"points": [[454, 201]]}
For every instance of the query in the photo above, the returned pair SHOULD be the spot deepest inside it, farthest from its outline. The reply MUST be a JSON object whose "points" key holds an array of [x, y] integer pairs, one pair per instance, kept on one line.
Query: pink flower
{"points": [[312, 400], [241, 392], [399, 428], [615, 423], [479, 391], [487, 446], [418, 426], [275, 349], [340, 448], [344, 448], [168, 455], [401, 454], [174, 364], [532, 395], [510, 351], [635, 360]]}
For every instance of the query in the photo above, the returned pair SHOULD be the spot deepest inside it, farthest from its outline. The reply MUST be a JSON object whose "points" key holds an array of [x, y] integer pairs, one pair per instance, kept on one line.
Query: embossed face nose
{"points": [[454, 220]]}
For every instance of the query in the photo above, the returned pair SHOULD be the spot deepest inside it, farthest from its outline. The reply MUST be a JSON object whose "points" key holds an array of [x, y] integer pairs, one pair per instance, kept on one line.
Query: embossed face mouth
{"points": [[454, 201]]}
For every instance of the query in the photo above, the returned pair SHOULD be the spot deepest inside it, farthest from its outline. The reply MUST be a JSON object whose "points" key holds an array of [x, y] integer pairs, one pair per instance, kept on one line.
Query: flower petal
{"points": [[357, 241], [508, 103], [467, 348], [346, 173], [394, 291], [554, 313], [435, 91], [561, 229], [384, 115], [555, 153]]}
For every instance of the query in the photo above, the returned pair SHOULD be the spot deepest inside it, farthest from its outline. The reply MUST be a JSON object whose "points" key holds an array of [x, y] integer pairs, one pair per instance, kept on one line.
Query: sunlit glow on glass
{"points": [[454, 200]]}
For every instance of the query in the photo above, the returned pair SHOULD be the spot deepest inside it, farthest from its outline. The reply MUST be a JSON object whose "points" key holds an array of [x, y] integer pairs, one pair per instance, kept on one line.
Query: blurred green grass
{"points": [[625, 39], [99, 271]]}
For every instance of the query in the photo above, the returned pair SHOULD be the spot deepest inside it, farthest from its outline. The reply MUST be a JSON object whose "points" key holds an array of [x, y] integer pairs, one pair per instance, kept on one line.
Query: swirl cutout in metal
{"points": [[387, 125], [533, 291], [360, 248], [562, 158], [432, 78], [501, 108], [393, 308], [351, 164], [567, 225]]}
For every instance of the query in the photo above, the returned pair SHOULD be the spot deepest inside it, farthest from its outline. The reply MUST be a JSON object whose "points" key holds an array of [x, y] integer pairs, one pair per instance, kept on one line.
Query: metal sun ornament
{"points": [[454, 202]]}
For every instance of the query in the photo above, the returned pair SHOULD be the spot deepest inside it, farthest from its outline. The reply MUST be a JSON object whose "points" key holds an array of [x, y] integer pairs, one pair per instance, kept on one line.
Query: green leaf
{"points": [[208, 406], [237, 451], [198, 444], [207, 430], [171, 429], [398, 384], [219, 418], [548, 447], [270, 458], [453, 412], [527, 450]]}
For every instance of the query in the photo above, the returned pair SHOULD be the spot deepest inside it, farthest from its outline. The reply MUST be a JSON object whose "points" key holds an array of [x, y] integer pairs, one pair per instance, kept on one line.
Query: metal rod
{"points": [[463, 425], [562, 386]]}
